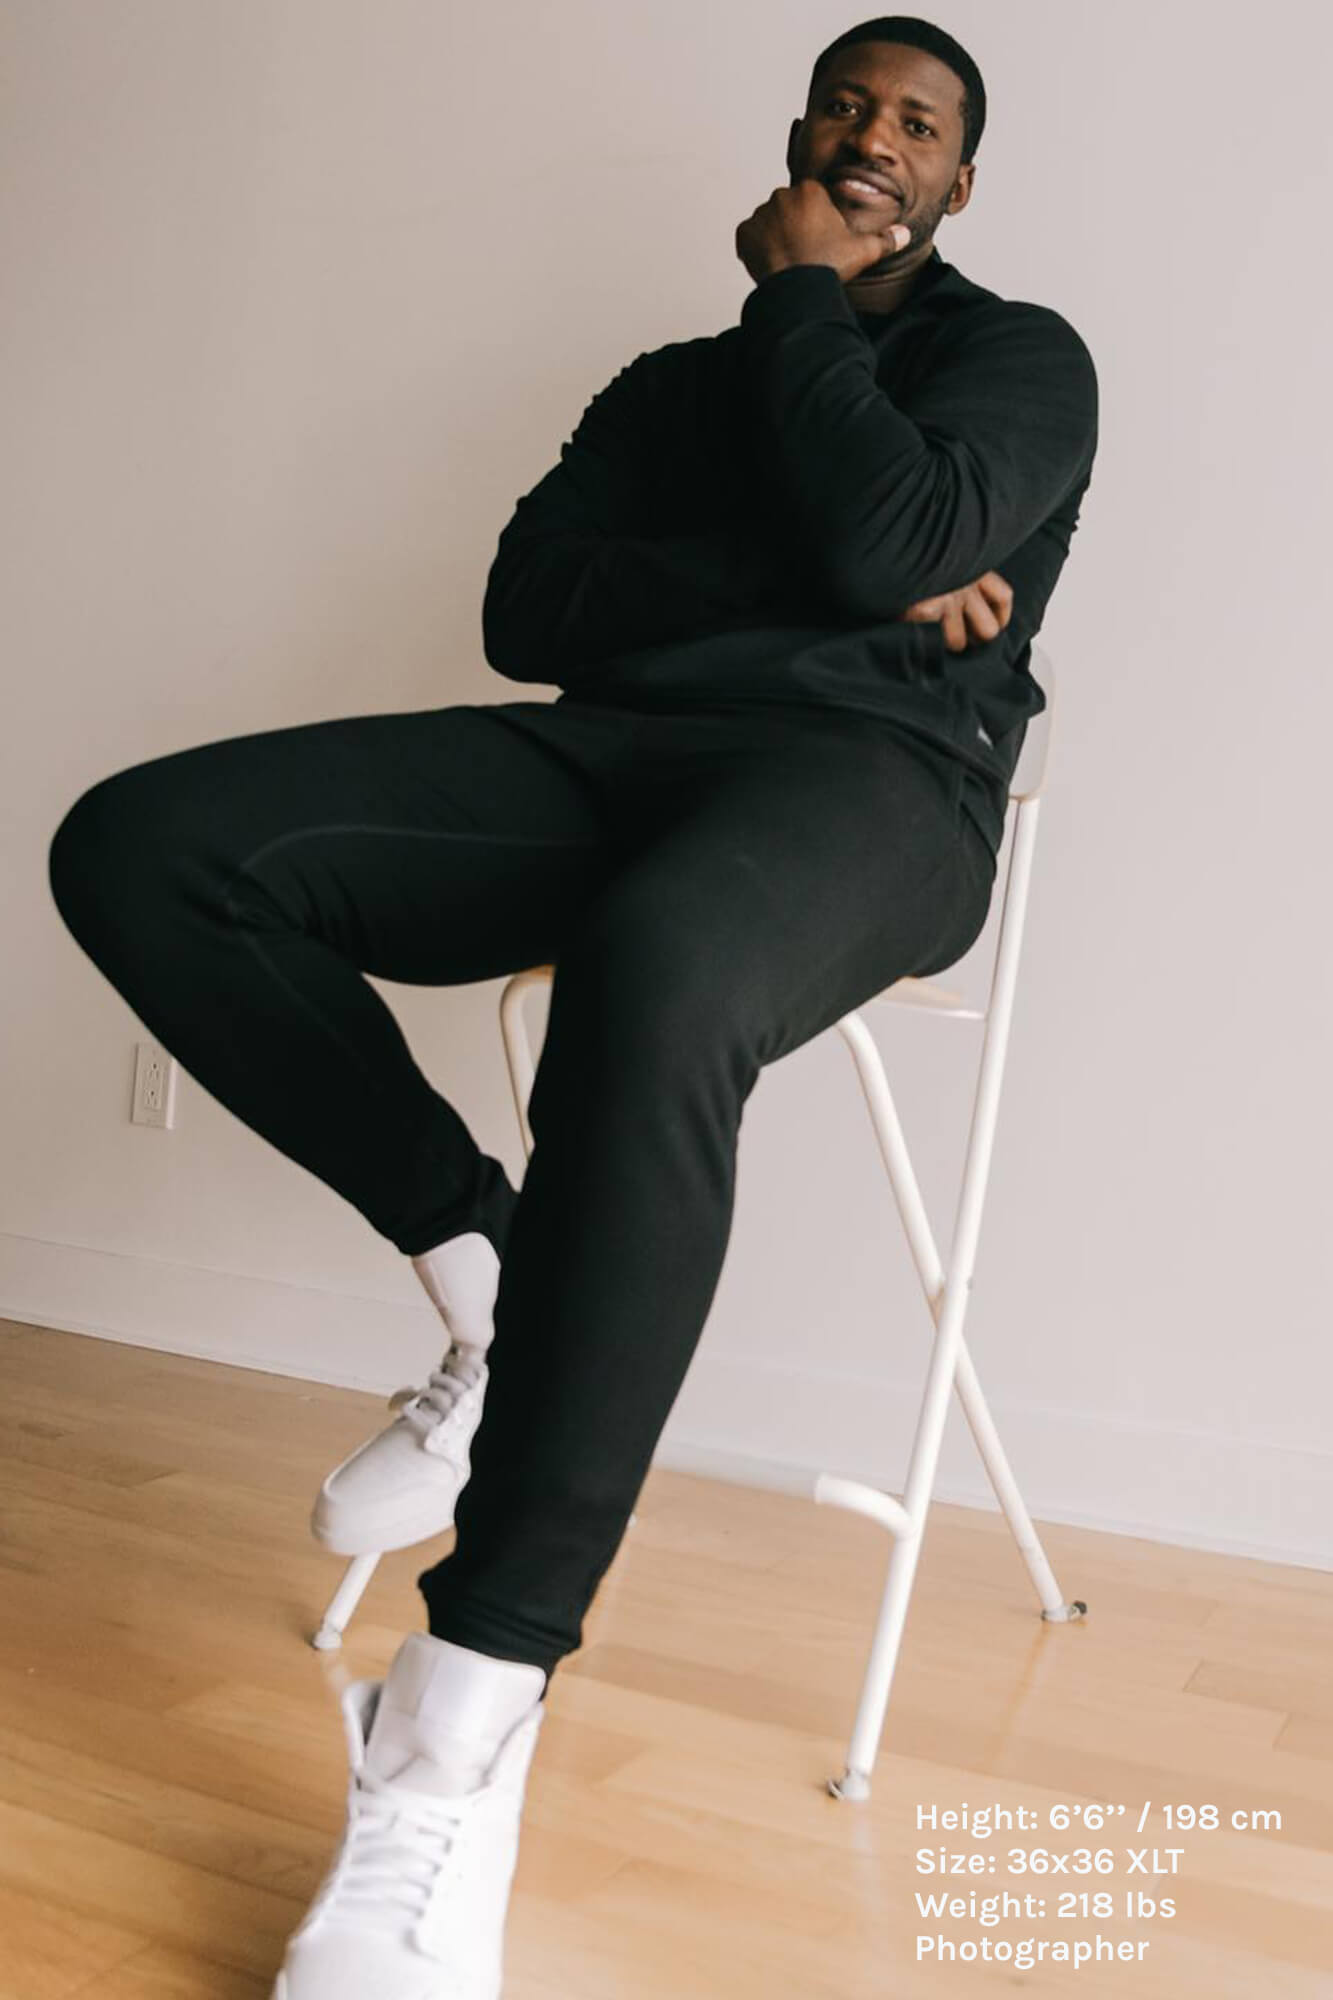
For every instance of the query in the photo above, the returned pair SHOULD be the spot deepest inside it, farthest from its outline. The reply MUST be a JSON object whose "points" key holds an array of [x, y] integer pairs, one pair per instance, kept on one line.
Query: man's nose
{"points": [[878, 142]]}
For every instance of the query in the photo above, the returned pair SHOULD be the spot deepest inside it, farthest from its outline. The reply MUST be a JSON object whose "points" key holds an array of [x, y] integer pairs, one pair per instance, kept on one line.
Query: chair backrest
{"points": [[1030, 771]]}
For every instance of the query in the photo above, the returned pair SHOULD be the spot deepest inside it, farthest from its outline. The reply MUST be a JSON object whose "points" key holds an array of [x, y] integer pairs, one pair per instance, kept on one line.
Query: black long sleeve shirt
{"points": [[744, 517]]}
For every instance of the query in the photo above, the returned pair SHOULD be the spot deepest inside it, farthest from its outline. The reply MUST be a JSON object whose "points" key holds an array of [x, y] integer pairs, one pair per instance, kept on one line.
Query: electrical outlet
{"points": [[154, 1086]]}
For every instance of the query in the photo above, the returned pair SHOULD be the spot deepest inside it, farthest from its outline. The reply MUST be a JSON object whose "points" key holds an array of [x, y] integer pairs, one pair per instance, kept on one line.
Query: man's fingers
{"points": [[983, 621], [998, 593], [977, 612], [955, 632]]}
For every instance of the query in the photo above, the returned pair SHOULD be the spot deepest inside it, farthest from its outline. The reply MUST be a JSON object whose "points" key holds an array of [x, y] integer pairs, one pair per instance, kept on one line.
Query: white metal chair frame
{"points": [[946, 1287]]}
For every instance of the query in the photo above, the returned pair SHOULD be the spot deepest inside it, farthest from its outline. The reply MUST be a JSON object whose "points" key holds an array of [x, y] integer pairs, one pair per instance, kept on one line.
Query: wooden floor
{"points": [[172, 1763]]}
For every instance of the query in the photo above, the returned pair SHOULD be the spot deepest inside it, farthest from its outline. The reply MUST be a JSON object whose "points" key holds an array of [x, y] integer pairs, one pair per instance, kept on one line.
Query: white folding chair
{"points": [[946, 1290]]}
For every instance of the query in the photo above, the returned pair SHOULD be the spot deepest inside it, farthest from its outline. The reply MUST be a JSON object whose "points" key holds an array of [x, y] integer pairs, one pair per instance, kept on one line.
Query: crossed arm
{"points": [[844, 508]]}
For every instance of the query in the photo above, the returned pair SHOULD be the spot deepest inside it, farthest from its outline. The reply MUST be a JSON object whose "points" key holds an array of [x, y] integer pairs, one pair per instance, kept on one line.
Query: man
{"points": [[786, 578], [875, 435]]}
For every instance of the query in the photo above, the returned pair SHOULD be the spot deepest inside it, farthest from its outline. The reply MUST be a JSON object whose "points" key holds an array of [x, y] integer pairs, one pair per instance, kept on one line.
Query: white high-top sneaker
{"points": [[403, 1484], [414, 1903]]}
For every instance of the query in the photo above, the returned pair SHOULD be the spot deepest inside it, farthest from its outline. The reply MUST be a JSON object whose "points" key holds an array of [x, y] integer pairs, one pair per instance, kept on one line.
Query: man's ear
{"points": [[792, 138], [962, 189]]}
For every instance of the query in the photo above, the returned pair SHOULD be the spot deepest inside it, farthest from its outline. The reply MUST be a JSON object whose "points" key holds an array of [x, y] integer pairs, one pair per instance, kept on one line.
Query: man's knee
{"points": [[106, 838]]}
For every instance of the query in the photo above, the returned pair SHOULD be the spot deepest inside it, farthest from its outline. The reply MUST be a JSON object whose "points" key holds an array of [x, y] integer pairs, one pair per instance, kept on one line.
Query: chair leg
{"points": [[950, 1367], [343, 1603], [906, 1523], [907, 1531], [1055, 1609], [893, 1148]]}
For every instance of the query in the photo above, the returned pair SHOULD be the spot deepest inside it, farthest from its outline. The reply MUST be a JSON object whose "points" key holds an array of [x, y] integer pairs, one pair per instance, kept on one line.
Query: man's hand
{"points": [[804, 225], [976, 611]]}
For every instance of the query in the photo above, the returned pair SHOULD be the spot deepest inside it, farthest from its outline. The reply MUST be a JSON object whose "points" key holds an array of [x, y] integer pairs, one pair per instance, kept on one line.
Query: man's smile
{"points": [[853, 188]]}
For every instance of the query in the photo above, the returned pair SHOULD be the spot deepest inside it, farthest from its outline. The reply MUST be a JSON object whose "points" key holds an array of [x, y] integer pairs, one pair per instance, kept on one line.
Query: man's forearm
{"points": [[558, 602], [893, 507]]}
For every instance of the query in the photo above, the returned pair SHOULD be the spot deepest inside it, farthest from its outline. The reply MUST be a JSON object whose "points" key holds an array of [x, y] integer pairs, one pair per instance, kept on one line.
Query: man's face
{"points": [[897, 112]]}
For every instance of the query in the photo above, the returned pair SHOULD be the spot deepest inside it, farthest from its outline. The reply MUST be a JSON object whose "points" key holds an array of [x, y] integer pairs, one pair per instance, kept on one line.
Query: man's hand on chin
{"points": [[804, 225]]}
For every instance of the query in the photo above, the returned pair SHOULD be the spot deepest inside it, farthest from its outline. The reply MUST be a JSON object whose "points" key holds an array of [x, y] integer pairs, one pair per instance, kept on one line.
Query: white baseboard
{"points": [[336, 1337], [741, 1418]]}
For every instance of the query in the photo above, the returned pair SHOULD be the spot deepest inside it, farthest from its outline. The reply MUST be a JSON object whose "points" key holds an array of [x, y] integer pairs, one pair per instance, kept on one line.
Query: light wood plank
{"points": [[172, 1764]]}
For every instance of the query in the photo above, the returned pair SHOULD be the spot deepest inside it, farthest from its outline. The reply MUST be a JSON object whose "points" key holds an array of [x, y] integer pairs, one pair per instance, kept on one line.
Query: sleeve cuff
{"points": [[796, 295]]}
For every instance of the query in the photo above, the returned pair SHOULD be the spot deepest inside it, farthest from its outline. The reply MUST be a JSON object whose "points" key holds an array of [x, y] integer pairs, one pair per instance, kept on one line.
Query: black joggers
{"points": [[715, 886]]}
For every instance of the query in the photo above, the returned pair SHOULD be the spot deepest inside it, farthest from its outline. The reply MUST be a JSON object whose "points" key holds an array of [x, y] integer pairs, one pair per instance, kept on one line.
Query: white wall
{"points": [[300, 295]]}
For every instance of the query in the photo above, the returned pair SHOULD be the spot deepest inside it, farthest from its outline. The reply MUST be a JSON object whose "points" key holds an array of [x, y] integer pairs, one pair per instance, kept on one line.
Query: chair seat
{"points": [[905, 992], [933, 999]]}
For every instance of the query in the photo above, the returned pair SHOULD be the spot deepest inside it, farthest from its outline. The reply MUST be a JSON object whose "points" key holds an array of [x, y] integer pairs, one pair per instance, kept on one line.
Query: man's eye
{"points": [[854, 107]]}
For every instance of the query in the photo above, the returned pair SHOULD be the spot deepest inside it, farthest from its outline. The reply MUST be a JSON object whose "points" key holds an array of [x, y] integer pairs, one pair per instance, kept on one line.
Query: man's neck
{"points": [[888, 290]]}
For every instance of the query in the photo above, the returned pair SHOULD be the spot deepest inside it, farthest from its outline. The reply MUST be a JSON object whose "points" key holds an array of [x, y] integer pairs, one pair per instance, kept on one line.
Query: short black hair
{"points": [[918, 34]]}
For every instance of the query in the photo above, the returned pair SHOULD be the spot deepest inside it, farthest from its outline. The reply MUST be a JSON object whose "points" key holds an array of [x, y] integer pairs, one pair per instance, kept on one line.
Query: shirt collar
{"points": [[933, 271]]}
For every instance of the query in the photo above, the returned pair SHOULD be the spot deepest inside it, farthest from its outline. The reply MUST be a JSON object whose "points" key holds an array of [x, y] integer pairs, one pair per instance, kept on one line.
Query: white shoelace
{"points": [[396, 1852], [458, 1376]]}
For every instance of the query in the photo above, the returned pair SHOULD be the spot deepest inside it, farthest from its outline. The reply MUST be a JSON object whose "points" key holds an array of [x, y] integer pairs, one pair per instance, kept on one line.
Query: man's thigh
{"points": [[783, 875], [434, 847]]}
